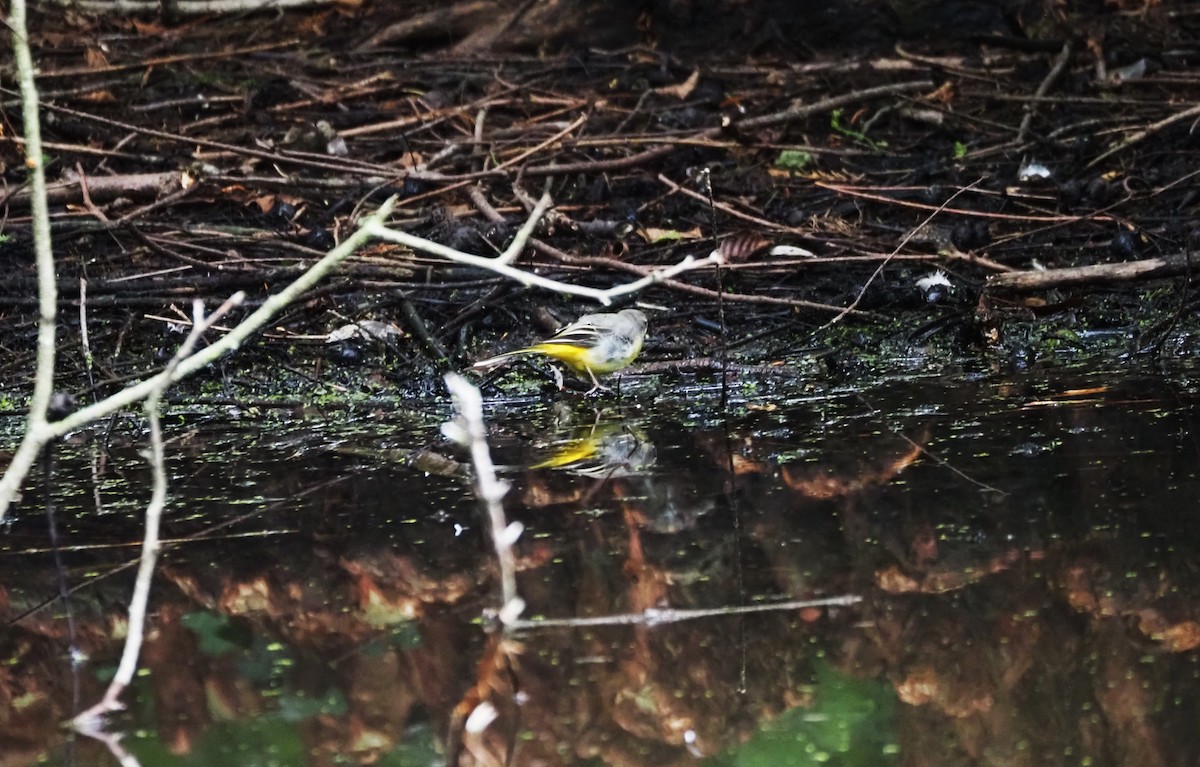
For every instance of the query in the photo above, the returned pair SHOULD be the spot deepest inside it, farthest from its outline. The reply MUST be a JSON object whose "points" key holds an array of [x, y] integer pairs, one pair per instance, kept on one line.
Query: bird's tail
{"points": [[501, 359]]}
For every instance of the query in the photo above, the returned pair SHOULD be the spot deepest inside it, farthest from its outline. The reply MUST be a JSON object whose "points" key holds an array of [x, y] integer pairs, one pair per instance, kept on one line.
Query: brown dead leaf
{"points": [[1174, 637], [242, 598], [684, 89], [741, 246], [743, 466], [943, 95], [811, 614], [268, 201], [893, 580], [380, 609], [94, 58], [919, 688], [1180, 637], [148, 28]]}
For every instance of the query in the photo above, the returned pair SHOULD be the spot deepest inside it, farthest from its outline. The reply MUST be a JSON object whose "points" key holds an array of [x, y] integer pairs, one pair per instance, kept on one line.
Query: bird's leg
{"points": [[597, 387]]}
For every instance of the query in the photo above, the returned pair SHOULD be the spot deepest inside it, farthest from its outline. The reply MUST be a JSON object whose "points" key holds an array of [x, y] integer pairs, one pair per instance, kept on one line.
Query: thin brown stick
{"points": [[851, 191], [1060, 66], [329, 165], [163, 61], [833, 102], [725, 207], [1146, 133], [699, 364]]}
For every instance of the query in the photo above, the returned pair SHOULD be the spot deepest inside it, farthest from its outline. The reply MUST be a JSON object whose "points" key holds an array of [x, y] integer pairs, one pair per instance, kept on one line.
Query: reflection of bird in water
{"points": [[604, 450], [594, 344], [669, 505]]}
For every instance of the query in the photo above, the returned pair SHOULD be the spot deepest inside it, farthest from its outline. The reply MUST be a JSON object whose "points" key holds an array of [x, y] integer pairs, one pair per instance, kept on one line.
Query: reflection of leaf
{"points": [[850, 724], [255, 743], [215, 634], [294, 707], [420, 747]]}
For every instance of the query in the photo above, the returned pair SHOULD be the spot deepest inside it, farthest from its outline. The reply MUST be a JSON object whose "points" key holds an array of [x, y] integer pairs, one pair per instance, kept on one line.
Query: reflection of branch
{"points": [[91, 720], [654, 616], [189, 7], [112, 740], [470, 431]]}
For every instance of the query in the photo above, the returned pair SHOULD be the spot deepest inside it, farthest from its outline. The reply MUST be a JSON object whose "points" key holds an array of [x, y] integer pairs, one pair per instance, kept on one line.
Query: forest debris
{"points": [[655, 235], [371, 330], [100, 188]]}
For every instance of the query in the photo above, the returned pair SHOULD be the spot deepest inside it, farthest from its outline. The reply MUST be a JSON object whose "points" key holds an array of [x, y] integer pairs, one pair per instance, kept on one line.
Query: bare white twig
{"points": [[91, 720], [470, 430], [502, 264], [43, 386], [84, 341], [524, 233]]}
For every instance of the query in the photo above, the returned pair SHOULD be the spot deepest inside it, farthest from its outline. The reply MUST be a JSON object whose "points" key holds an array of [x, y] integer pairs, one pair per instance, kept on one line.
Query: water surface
{"points": [[1019, 556]]}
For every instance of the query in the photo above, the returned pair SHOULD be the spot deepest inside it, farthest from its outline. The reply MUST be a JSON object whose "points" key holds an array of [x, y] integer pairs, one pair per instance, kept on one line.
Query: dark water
{"points": [[1022, 557]]}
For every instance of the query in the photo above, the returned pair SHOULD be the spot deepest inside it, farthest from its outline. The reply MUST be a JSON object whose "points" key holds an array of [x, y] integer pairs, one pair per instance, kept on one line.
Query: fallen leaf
{"points": [[684, 89], [654, 235], [739, 247]]}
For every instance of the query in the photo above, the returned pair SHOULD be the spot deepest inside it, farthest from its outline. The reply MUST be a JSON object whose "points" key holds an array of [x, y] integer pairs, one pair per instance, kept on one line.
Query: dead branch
{"points": [[502, 264], [833, 102], [101, 189], [1146, 133], [1097, 274], [456, 20], [1060, 66]]}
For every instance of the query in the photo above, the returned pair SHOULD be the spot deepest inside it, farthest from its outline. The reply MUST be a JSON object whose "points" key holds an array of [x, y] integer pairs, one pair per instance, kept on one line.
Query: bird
{"points": [[594, 344]]}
